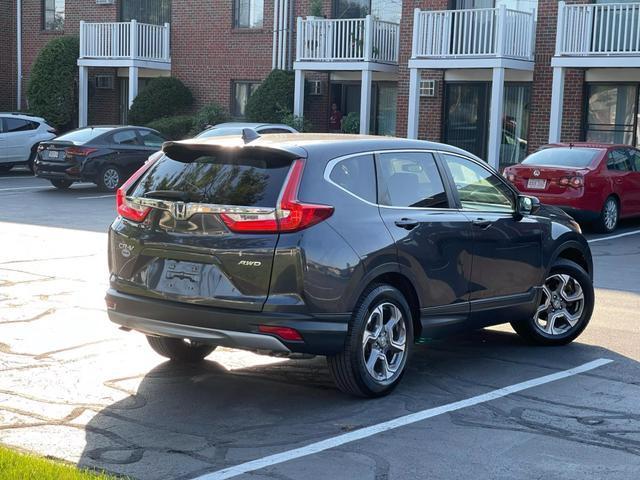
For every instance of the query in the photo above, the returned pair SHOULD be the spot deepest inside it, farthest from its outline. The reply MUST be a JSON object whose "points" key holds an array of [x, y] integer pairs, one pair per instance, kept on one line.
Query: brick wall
{"points": [[431, 109], [8, 55], [542, 82]]}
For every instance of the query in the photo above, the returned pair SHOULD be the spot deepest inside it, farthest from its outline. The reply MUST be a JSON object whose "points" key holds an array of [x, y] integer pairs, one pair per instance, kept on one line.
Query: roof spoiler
{"points": [[189, 151]]}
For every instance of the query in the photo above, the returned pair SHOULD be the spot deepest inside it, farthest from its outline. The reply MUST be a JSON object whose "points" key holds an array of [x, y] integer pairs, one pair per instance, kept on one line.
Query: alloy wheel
{"points": [[610, 214], [111, 178], [561, 305], [384, 342]]}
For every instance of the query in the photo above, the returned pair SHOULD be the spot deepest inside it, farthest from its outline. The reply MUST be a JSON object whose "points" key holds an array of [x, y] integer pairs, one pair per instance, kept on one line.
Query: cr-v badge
{"points": [[125, 250]]}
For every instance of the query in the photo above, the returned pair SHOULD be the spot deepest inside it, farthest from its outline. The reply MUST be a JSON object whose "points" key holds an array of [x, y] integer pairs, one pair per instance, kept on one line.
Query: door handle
{"points": [[407, 223], [482, 223]]}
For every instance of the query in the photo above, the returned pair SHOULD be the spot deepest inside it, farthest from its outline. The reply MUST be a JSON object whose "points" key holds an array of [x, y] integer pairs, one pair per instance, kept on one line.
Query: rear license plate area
{"points": [[536, 184], [181, 278]]}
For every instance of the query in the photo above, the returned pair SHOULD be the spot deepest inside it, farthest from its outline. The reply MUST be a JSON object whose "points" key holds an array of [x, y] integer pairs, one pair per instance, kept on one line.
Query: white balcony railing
{"points": [[347, 40], [479, 32], [598, 29], [125, 40]]}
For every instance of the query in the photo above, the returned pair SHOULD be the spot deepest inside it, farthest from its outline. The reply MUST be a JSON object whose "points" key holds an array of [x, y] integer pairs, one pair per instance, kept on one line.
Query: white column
{"points": [[365, 101], [133, 84], [557, 99], [298, 96], [413, 120], [83, 96], [496, 117]]}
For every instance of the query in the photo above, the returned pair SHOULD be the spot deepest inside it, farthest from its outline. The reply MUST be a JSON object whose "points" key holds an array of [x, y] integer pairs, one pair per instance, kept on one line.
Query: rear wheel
{"points": [[109, 179], [61, 184], [180, 350], [32, 159], [565, 307], [608, 220], [378, 344]]}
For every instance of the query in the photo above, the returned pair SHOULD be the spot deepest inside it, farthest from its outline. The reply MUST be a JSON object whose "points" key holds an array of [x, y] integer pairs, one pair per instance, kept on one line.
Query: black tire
{"points": [[180, 350], [604, 224], [61, 184], [32, 159], [531, 329], [348, 367], [109, 178]]}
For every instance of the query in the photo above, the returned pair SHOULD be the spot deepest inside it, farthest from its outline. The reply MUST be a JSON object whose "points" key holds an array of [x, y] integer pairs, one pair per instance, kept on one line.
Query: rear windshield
{"points": [[83, 135], [563, 157], [251, 180]]}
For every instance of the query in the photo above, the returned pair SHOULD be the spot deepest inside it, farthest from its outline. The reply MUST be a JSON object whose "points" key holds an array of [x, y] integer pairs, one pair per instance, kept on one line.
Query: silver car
{"points": [[19, 138], [235, 128]]}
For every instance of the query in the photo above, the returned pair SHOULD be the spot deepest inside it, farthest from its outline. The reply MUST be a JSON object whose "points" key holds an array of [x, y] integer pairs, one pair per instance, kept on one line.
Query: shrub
{"points": [[175, 128], [315, 8], [301, 124], [51, 88], [211, 114], [162, 97], [351, 123], [274, 95]]}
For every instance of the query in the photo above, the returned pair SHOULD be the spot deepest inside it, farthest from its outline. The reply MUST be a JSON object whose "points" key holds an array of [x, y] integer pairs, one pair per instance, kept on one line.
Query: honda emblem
{"points": [[180, 210]]}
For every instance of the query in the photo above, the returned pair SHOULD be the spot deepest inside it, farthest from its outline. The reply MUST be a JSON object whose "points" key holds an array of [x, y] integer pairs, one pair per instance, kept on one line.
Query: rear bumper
{"points": [[322, 335], [55, 171], [579, 214], [579, 207]]}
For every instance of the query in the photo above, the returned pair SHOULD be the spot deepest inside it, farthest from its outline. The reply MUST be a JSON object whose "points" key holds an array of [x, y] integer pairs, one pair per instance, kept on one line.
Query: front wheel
{"points": [[608, 220], [109, 179], [180, 350], [565, 307], [378, 344]]}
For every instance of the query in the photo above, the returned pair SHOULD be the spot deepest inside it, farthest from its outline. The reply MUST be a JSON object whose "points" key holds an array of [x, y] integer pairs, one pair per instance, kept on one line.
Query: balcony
{"points": [[347, 44], [598, 35], [125, 44], [473, 38]]}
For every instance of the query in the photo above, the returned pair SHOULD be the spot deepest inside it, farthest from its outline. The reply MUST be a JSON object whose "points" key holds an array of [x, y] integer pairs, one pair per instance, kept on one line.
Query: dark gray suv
{"points": [[346, 246]]}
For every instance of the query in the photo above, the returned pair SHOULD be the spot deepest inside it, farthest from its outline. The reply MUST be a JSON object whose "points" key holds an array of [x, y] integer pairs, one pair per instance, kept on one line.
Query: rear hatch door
{"points": [[183, 251]]}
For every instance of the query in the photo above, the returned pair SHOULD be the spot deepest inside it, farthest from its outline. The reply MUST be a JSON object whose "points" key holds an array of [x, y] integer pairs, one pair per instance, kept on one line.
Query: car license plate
{"points": [[52, 154], [536, 184]]}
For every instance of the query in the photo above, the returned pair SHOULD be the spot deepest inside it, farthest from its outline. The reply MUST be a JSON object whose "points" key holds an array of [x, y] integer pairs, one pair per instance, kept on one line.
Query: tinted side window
{"points": [[635, 159], [125, 137], [356, 175], [409, 179], [618, 160], [478, 188], [273, 130], [151, 139], [18, 125]]}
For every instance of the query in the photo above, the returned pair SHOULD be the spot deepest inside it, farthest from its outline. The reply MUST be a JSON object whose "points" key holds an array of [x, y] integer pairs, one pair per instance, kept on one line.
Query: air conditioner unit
{"points": [[315, 87], [427, 88], [105, 2], [104, 82]]}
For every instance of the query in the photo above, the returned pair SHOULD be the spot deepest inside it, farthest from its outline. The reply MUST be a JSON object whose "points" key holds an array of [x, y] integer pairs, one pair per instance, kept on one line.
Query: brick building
{"points": [[496, 77]]}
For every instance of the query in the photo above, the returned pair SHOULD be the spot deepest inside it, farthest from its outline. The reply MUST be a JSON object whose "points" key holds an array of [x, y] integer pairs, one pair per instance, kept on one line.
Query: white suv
{"points": [[19, 138]]}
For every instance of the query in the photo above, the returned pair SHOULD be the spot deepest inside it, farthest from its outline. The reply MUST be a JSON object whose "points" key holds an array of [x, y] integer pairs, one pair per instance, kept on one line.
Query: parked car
{"points": [[235, 128], [104, 155], [345, 246], [20, 135], [598, 183]]}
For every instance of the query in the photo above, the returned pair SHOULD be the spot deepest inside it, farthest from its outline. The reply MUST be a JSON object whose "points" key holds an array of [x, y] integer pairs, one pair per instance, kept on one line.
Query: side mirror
{"points": [[528, 205]]}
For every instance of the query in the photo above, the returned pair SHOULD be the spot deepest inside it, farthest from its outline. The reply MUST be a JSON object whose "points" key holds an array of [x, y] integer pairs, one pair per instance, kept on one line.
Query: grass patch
{"points": [[14, 465]]}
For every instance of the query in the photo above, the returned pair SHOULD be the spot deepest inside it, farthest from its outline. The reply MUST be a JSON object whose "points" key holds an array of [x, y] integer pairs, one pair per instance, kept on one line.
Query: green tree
{"points": [[272, 97], [161, 97], [211, 114], [51, 91]]}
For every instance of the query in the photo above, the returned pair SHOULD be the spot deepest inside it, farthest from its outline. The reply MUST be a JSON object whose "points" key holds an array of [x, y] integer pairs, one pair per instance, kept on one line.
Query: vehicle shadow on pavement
{"points": [[185, 420]]}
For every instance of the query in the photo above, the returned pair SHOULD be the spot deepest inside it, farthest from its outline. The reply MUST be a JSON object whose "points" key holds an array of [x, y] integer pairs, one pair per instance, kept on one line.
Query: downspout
{"points": [[19, 54], [276, 6]]}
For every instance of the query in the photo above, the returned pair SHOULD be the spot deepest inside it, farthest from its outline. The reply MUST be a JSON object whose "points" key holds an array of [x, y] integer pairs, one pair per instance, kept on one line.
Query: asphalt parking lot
{"points": [[74, 387]]}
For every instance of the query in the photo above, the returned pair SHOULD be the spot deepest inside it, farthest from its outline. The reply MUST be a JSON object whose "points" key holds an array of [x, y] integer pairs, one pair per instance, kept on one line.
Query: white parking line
{"points": [[42, 187], [329, 443], [620, 235], [95, 196]]}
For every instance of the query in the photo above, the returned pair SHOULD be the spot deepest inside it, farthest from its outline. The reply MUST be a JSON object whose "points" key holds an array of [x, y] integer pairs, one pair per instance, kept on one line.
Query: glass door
{"points": [[467, 116], [515, 124]]}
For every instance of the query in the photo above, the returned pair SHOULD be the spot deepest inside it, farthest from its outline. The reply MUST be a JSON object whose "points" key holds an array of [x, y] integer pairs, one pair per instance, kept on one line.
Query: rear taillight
{"points": [[79, 151], [572, 181], [285, 333], [291, 215], [125, 208]]}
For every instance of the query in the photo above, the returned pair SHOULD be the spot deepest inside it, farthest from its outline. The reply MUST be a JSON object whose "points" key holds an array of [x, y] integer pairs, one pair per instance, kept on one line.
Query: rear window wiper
{"points": [[174, 195]]}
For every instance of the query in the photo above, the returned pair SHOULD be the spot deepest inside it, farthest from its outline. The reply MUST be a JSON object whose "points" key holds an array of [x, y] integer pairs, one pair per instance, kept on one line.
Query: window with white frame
{"points": [[53, 15], [248, 13], [427, 88]]}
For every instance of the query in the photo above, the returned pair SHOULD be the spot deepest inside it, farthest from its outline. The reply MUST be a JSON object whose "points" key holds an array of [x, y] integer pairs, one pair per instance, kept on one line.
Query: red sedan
{"points": [[597, 183]]}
